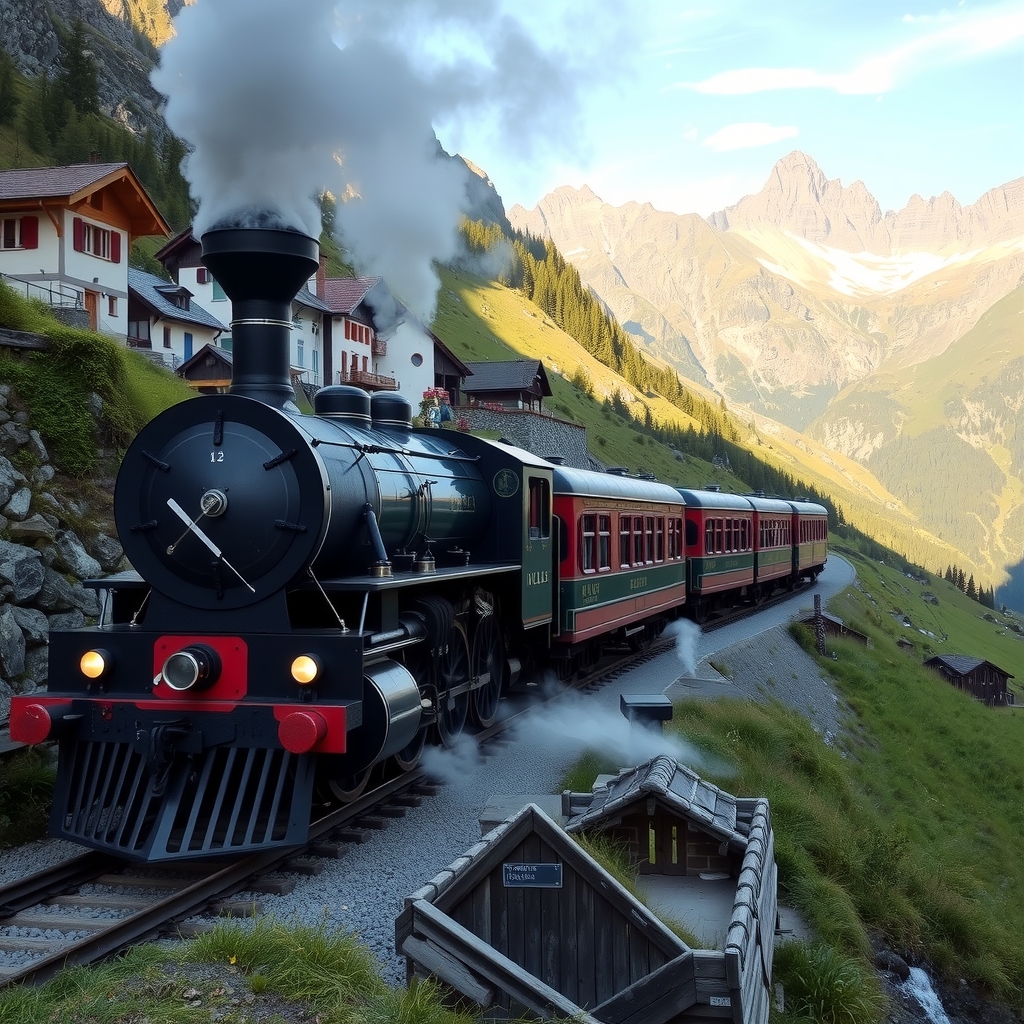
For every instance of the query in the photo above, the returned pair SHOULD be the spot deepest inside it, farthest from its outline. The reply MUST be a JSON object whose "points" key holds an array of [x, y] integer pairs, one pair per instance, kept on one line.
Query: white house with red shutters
{"points": [[65, 235]]}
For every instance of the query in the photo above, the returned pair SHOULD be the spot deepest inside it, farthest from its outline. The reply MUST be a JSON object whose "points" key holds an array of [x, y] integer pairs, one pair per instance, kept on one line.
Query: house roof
{"points": [[222, 354], [513, 375], [676, 787], [343, 294], [963, 664], [182, 240], [71, 185], [310, 301], [155, 293]]}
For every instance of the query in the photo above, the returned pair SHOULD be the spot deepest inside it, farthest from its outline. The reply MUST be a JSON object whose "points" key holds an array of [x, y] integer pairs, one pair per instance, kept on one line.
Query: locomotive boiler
{"points": [[311, 596]]}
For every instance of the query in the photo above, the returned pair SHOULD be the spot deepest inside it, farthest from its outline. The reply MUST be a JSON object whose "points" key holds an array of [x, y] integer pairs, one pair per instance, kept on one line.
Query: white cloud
{"points": [[747, 135], [952, 41]]}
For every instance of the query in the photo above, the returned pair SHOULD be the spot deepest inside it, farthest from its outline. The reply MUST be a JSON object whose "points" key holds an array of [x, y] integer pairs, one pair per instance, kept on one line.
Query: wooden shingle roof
{"points": [[676, 787], [74, 183], [963, 664], [510, 375]]}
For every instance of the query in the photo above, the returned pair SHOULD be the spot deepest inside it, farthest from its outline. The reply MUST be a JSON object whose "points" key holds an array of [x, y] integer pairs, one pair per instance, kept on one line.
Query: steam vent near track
{"points": [[527, 924]]}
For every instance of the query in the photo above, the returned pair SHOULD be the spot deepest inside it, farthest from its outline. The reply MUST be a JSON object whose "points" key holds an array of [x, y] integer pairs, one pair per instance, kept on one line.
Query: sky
{"points": [[687, 104]]}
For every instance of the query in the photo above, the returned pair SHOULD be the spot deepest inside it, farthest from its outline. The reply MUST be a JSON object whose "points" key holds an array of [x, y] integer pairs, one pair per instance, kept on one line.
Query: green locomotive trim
{"points": [[598, 590]]}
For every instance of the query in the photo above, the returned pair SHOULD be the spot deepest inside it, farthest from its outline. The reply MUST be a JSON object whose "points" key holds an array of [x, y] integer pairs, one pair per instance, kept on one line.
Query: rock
{"points": [[33, 624], [22, 418], [37, 664], [18, 506], [22, 569], [887, 960], [36, 446], [8, 480], [73, 619], [12, 437], [12, 645], [42, 475], [73, 558], [107, 551], [56, 594], [34, 528]]}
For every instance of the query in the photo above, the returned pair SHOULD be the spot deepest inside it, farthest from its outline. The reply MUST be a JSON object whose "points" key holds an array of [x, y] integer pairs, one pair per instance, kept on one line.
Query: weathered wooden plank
{"points": [[486, 963], [532, 954], [22, 339], [516, 901], [567, 954], [436, 960], [499, 912], [586, 989], [709, 963], [654, 999], [733, 969], [622, 936], [481, 903], [605, 922]]}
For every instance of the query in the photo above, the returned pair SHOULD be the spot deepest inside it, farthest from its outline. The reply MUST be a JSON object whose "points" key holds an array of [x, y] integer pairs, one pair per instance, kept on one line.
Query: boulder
{"points": [[107, 551], [18, 505], [73, 558], [37, 664], [9, 480], [55, 595], [33, 624], [36, 446], [36, 527], [73, 619], [12, 437], [22, 570], [12, 645]]}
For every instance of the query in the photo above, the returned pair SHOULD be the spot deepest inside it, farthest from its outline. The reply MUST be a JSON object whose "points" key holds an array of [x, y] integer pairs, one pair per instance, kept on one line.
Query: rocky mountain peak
{"points": [[799, 199]]}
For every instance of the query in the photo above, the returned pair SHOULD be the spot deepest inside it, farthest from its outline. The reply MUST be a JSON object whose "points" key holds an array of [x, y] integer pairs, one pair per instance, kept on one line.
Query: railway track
{"points": [[89, 906], [85, 908]]}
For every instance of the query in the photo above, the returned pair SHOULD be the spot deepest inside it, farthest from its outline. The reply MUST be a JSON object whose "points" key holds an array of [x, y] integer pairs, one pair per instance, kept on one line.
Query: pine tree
{"points": [[76, 70], [971, 591], [9, 99]]}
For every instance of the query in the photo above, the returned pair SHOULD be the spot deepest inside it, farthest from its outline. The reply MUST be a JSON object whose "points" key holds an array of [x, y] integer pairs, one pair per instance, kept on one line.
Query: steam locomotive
{"points": [[313, 596]]}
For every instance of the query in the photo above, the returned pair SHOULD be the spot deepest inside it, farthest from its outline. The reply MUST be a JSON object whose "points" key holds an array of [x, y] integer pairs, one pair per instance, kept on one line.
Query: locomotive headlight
{"points": [[305, 670], [194, 668], [94, 664]]}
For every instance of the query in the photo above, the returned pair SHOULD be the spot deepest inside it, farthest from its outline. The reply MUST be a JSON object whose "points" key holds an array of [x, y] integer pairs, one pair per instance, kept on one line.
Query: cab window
{"points": [[540, 509]]}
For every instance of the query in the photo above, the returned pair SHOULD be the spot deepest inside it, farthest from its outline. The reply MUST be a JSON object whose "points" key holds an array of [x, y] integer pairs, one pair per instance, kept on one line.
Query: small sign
{"points": [[531, 876], [721, 1001]]}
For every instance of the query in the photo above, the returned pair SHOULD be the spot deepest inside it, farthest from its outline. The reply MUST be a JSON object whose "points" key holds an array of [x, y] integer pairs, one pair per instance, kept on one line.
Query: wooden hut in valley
{"points": [[979, 678]]}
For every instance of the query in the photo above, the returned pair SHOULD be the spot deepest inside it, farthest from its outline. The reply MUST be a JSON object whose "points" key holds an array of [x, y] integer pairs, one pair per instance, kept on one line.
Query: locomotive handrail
{"points": [[376, 449]]}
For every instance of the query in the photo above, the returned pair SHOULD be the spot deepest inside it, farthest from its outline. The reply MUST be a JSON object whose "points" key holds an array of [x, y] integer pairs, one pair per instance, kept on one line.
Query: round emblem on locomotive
{"points": [[506, 483]]}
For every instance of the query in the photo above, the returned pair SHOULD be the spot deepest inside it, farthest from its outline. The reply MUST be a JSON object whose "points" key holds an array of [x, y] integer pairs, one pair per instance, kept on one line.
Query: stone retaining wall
{"points": [[544, 436]]}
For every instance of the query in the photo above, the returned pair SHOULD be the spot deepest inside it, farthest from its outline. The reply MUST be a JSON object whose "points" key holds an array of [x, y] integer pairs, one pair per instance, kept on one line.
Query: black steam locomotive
{"points": [[316, 595]]}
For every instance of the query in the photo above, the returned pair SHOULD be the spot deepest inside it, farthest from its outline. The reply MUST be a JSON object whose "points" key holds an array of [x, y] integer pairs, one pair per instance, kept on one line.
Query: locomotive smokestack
{"points": [[261, 270]]}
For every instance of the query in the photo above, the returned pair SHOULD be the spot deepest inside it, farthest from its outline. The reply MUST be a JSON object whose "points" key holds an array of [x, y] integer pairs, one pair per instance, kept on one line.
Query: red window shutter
{"points": [[115, 246], [79, 235], [30, 232]]}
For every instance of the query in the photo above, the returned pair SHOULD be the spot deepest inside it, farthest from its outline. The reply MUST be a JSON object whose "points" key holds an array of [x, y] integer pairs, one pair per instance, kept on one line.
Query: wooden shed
{"points": [[979, 678], [509, 384], [527, 923]]}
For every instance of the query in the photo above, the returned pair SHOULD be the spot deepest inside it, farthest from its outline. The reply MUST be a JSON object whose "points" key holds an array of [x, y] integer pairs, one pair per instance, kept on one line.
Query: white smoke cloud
{"points": [[686, 634], [282, 102]]}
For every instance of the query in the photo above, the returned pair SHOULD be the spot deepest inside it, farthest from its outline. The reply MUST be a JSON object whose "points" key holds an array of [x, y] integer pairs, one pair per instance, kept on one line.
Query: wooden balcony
{"points": [[370, 381], [379, 347]]}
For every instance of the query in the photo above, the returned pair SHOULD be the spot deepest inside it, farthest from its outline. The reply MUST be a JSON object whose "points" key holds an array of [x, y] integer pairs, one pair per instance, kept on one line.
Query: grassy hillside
{"points": [[908, 829]]}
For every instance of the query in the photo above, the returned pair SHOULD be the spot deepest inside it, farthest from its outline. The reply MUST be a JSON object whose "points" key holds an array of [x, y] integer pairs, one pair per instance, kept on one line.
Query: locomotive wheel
{"points": [[348, 789], [453, 668], [488, 657], [409, 756]]}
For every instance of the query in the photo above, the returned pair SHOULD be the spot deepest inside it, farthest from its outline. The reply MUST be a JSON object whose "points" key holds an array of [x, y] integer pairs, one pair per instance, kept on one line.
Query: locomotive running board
{"points": [[228, 800]]}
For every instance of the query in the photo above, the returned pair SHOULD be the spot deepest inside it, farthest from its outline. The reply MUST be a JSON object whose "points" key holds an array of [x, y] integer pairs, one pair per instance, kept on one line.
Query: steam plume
{"points": [[282, 103]]}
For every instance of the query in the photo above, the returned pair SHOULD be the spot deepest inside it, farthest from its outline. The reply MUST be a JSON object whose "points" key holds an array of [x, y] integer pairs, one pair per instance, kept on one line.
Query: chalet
{"points": [[979, 678], [65, 235], [164, 320], [209, 370], [346, 330], [376, 343], [515, 384]]}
